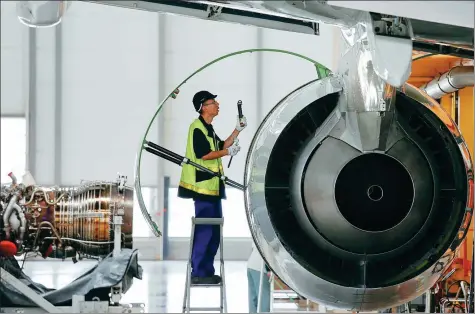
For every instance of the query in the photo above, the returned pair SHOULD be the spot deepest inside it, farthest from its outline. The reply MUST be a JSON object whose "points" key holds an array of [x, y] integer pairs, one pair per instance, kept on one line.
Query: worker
{"points": [[205, 148], [254, 277]]}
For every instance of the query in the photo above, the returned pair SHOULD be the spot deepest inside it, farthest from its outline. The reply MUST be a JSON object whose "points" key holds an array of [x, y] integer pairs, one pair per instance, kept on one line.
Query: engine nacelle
{"points": [[353, 229]]}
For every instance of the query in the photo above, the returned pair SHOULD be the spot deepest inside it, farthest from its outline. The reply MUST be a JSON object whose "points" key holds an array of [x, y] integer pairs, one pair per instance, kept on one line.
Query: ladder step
{"points": [[207, 221], [206, 285], [205, 309]]}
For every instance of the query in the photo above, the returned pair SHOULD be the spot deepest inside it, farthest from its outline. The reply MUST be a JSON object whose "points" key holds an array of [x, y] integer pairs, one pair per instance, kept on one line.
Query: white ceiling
{"points": [[460, 13]]}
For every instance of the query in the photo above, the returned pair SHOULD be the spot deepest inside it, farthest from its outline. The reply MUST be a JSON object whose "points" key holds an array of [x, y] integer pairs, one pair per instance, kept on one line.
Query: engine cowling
{"points": [[351, 229]]}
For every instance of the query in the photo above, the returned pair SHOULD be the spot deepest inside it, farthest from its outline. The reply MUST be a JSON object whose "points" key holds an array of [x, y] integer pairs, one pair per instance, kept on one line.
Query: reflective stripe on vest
{"points": [[188, 172]]}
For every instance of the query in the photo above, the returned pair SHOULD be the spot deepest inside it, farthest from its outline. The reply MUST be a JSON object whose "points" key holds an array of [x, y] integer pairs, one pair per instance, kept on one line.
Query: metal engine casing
{"points": [[66, 222], [312, 220]]}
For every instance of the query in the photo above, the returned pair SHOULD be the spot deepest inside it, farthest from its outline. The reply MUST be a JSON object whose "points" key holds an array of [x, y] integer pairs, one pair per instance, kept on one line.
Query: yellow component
{"points": [[466, 125], [447, 102], [423, 71], [466, 111]]}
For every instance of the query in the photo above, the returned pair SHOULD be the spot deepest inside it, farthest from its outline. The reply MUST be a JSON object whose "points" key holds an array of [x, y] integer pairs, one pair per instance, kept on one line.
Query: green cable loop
{"points": [[424, 56], [322, 72]]}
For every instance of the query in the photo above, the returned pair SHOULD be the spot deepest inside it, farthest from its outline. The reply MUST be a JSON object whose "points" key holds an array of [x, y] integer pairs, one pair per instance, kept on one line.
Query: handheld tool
{"points": [[239, 106]]}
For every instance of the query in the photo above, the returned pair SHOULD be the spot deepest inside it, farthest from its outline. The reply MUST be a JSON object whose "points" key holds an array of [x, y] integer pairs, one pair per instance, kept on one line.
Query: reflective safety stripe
{"points": [[214, 168], [198, 190]]}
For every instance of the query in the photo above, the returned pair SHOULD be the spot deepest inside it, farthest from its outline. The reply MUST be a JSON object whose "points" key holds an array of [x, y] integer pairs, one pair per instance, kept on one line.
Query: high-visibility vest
{"points": [[188, 172]]}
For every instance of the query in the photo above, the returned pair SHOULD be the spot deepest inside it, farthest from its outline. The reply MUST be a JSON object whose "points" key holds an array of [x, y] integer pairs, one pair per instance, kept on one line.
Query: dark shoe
{"points": [[217, 279], [204, 281]]}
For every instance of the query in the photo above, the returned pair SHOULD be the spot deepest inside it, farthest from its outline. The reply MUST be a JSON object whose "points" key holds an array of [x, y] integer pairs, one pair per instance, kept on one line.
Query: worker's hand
{"points": [[241, 123], [234, 149]]}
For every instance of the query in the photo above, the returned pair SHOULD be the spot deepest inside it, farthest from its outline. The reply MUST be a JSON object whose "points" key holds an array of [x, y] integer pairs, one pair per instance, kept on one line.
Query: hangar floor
{"points": [[162, 286]]}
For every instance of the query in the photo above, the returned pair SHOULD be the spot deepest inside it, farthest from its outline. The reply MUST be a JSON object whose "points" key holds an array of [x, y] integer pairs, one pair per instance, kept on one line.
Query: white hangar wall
{"points": [[13, 62], [260, 80], [99, 77]]}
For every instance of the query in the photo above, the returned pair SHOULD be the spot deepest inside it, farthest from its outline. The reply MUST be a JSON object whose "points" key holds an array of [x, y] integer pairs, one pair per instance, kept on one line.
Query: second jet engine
{"points": [[65, 222]]}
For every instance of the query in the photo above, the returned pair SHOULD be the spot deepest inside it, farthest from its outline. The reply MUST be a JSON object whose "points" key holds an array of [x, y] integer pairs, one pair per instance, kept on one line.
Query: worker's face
{"points": [[211, 107]]}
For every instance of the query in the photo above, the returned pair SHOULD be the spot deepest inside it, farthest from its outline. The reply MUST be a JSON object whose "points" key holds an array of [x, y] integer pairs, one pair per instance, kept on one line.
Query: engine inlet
{"points": [[352, 228]]}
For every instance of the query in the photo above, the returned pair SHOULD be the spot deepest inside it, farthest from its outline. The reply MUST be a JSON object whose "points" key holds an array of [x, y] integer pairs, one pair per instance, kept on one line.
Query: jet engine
{"points": [[353, 228], [359, 186], [64, 222]]}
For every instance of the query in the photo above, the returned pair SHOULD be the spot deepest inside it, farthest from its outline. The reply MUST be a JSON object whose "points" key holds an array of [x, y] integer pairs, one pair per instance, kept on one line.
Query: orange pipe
{"points": [[464, 256]]}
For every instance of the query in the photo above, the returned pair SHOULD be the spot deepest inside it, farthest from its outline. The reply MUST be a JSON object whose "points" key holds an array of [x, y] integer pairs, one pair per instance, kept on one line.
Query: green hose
{"points": [[322, 72], [424, 56]]}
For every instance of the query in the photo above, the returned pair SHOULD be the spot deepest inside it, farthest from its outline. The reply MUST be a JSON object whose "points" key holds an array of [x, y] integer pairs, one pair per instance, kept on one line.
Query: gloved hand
{"points": [[234, 149], [241, 123]]}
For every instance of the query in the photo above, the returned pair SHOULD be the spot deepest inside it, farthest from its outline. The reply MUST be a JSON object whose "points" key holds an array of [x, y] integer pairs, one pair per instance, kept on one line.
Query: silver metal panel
{"points": [[370, 75], [201, 14], [314, 11], [308, 11]]}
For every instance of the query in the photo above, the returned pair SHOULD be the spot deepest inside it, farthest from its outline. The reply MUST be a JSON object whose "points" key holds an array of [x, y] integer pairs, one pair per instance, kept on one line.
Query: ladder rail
{"points": [[223, 281], [222, 285], [186, 299]]}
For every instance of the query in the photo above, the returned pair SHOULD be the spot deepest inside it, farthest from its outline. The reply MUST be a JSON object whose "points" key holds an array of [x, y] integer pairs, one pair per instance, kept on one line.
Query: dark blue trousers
{"points": [[206, 239]]}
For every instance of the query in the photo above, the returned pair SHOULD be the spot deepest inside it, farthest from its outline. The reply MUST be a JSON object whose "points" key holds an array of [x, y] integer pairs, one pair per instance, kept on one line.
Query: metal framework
{"points": [[427, 36], [79, 305], [227, 13]]}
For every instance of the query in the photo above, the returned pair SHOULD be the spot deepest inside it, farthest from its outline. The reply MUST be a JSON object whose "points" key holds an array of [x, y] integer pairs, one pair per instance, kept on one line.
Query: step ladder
{"points": [[222, 285]]}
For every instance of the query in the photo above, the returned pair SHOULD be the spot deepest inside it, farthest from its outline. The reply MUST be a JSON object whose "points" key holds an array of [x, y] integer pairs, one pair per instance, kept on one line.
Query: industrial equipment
{"points": [[358, 186], [351, 227], [93, 220], [66, 222]]}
